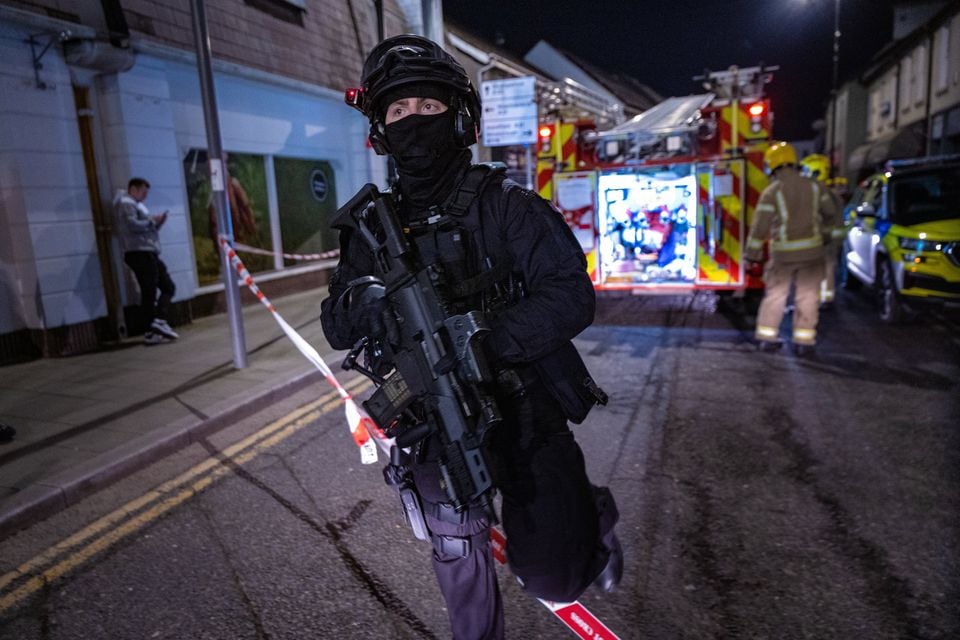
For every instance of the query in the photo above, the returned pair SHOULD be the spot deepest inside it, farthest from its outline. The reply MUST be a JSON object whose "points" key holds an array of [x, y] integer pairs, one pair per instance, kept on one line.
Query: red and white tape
{"points": [[573, 614], [364, 431], [326, 255]]}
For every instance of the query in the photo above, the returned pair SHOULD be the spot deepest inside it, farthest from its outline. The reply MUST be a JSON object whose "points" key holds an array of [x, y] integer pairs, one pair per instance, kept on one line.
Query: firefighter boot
{"points": [[804, 350], [769, 346]]}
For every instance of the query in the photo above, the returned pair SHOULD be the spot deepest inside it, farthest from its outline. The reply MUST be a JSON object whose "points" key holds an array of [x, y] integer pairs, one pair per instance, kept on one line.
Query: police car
{"points": [[904, 235]]}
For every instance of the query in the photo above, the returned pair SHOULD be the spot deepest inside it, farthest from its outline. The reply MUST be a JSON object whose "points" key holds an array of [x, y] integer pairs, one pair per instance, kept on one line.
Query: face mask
{"points": [[427, 156], [421, 144]]}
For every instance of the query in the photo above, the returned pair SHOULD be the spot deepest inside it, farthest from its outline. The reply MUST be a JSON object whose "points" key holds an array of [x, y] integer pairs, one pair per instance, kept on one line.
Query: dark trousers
{"points": [[555, 521], [152, 276]]}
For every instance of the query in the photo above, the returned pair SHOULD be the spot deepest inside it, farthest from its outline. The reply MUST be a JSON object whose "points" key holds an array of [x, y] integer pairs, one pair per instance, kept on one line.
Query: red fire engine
{"points": [[663, 202]]}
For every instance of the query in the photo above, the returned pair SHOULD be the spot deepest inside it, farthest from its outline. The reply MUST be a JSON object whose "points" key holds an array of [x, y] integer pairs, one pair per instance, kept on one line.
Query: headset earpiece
{"points": [[378, 139], [464, 125]]}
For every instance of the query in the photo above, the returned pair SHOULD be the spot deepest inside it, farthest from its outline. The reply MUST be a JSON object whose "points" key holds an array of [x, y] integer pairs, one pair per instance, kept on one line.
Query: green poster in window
{"points": [[248, 211], [307, 200]]}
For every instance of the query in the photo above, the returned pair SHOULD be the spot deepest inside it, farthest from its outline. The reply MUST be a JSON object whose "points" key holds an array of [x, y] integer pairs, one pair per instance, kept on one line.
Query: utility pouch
{"points": [[569, 382], [413, 512]]}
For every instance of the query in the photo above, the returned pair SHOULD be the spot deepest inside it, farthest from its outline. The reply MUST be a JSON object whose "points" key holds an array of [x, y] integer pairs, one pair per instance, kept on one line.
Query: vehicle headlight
{"points": [[916, 244]]}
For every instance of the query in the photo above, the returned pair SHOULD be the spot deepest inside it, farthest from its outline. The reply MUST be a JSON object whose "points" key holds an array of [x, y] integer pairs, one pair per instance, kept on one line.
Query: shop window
{"points": [[920, 74], [942, 58], [907, 81]]}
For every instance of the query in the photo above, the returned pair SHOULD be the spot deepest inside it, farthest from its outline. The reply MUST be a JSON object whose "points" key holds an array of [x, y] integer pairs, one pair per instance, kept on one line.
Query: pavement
{"points": [[86, 421]]}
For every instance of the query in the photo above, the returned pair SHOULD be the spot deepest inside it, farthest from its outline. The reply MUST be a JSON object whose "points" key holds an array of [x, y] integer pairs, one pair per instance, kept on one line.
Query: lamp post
{"points": [[833, 89]]}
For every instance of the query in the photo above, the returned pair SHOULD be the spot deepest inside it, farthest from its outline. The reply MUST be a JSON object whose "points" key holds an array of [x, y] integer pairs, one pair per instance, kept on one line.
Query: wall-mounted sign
{"points": [[509, 111]]}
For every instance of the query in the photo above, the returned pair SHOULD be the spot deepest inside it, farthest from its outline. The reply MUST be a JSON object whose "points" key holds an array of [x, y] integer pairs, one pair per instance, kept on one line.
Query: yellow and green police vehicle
{"points": [[903, 235]]}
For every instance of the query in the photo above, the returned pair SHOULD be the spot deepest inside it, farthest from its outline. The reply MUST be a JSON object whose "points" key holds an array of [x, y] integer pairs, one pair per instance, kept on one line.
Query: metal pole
{"points": [[378, 6], [834, 93], [218, 180], [528, 162], [433, 21]]}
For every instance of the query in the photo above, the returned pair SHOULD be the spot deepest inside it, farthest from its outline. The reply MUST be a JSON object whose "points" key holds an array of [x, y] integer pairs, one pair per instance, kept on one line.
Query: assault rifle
{"points": [[439, 379]]}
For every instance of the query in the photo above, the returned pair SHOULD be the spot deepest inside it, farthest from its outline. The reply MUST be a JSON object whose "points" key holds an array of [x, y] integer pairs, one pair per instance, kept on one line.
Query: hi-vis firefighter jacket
{"points": [[797, 215]]}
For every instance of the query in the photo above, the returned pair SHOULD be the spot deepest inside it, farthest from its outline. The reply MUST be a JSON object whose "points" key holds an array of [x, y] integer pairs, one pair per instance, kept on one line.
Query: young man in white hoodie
{"points": [[139, 237]]}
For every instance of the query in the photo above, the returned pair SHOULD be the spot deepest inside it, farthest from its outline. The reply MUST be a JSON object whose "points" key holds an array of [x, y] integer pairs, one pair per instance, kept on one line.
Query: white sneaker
{"points": [[161, 327], [152, 338]]}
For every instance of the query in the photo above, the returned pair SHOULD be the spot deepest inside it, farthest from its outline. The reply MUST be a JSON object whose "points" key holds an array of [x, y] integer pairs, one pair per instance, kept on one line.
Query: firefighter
{"points": [[796, 215], [816, 166], [501, 248]]}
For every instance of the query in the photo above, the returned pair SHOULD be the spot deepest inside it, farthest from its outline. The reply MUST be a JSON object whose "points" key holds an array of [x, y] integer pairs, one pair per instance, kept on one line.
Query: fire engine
{"points": [[663, 202]]}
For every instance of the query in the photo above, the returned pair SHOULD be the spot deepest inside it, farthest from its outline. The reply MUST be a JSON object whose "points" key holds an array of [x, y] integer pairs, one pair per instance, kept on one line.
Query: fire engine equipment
{"points": [[674, 189]]}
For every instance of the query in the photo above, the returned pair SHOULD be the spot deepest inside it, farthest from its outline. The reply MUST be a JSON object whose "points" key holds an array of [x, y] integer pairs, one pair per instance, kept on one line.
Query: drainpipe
{"points": [[102, 222]]}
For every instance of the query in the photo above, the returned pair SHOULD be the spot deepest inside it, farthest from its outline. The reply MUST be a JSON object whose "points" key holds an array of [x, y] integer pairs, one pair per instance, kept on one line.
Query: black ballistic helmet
{"points": [[414, 60]]}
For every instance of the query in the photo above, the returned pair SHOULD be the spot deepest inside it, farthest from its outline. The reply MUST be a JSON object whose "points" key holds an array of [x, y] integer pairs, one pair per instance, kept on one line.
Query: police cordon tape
{"points": [[365, 432], [326, 255], [362, 428]]}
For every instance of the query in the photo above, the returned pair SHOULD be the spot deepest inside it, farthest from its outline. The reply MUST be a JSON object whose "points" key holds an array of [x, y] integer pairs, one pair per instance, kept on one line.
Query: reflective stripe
{"points": [[798, 245], [766, 332], [784, 215], [755, 243], [805, 335], [826, 291], [766, 206], [816, 209], [838, 233]]}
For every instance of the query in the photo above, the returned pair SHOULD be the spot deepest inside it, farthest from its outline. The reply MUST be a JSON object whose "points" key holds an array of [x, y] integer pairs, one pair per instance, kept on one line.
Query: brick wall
{"points": [[323, 51]]}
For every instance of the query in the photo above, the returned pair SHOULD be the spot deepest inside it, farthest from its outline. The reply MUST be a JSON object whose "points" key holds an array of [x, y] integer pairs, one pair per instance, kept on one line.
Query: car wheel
{"points": [[891, 306], [847, 280]]}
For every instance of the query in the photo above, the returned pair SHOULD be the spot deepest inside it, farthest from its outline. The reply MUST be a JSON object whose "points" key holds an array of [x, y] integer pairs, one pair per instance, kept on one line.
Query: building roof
{"points": [[636, 96], [891, 53]]}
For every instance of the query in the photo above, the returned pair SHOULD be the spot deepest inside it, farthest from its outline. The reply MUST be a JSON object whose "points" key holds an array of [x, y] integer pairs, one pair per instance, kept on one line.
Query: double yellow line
{"points": [[70, 553]]}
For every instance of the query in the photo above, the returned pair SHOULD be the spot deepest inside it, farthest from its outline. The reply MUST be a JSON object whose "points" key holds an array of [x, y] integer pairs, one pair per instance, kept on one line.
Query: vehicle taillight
{"points": [[546, 138]]}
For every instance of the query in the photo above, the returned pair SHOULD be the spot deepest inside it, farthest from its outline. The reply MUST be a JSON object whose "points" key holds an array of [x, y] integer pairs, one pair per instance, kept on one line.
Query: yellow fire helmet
{"points": [[816, 166], [779, 154]]}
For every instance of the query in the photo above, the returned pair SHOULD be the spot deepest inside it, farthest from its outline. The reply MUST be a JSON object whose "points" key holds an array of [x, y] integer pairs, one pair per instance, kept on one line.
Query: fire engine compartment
{"points": [[647, 225]]}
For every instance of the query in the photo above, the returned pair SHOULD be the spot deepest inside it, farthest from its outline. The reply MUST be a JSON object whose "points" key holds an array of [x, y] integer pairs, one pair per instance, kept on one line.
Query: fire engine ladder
{"points": [[571, 100], [737, 83]]}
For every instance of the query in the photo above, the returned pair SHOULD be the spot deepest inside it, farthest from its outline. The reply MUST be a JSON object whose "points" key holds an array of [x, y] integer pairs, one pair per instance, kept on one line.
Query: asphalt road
{"points": [[761, 496]]}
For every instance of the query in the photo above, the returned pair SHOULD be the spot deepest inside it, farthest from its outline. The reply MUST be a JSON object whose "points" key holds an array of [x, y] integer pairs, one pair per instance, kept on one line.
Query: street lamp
{"points": [[832, 142], [833, 90]]}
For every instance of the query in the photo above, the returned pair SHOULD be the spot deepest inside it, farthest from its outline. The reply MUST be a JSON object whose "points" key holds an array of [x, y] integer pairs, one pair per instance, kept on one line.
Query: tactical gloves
{"points": [[367, 308]]}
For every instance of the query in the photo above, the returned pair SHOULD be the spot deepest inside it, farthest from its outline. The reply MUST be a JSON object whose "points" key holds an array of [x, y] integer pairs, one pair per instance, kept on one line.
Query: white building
{"points": [[94, 93]]}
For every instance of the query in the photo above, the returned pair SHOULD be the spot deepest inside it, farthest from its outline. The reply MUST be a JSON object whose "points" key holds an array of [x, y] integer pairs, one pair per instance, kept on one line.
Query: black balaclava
{"points": [[430, 161]]}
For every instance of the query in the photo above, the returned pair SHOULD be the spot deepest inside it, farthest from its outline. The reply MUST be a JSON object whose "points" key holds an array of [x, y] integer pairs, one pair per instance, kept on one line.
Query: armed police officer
{"points": [[500, 250]]}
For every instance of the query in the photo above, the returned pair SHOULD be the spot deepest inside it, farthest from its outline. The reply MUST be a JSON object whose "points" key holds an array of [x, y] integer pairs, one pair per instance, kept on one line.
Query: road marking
{"points": [[210, 469]]}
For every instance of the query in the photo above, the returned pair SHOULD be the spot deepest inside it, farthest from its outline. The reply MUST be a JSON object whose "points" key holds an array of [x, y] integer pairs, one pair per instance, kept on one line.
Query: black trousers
{"points": [[152, 276], [555, 521]]}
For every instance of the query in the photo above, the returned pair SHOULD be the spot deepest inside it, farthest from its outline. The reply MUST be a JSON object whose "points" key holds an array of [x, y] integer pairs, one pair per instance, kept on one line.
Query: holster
{"points": [[569, 382]]}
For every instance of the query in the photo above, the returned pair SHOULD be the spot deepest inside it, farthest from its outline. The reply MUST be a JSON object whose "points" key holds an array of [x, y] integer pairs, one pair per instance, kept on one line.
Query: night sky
{"points": [[665, 43]]}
